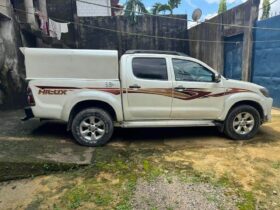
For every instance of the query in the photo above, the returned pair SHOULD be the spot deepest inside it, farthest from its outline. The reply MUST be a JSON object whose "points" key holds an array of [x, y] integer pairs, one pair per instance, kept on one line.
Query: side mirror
{"points": [[217, 78]]}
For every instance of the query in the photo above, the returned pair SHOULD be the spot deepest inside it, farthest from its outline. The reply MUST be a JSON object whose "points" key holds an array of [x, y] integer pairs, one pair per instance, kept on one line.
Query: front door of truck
{"points": [[147, 91], [195, 93]]}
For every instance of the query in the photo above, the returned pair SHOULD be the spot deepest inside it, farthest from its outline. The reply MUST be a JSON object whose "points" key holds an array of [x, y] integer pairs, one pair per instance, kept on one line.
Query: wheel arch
{"points": [[252, 103], [81, 105]]}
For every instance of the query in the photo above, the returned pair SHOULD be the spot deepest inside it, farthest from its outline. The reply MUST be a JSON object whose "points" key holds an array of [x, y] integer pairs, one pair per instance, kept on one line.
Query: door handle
{"points": [[135, 86], [180, 88]]}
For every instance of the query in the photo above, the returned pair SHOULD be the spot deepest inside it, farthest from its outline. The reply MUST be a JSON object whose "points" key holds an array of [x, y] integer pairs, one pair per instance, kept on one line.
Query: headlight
{"points": [[265, 92]]}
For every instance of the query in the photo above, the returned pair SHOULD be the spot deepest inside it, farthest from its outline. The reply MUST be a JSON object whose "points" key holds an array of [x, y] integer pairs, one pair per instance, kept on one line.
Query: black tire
{"points": [[107, 125], [229, 127]]}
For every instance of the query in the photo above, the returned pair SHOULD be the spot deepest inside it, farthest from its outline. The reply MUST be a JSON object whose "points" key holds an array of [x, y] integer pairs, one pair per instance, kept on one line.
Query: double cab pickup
{"points": [[94, 91]]}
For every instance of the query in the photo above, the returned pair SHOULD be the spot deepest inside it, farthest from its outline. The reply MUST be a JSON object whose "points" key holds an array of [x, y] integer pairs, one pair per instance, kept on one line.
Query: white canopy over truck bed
{"points": [[45, 63]]}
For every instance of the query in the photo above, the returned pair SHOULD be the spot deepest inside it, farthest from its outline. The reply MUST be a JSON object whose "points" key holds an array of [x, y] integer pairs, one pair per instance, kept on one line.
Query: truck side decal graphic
{"points": [[187, 94], [55, 90], [46, 90]]}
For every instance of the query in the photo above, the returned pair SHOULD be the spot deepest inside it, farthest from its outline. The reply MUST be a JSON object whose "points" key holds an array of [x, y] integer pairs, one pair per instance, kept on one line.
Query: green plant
{"points": [[75, 196], [173, 4], [222, 6], [146, 165], [156, 8], [123, 207], [55, 207], [276, 165], [170, 6], [102, 200], [266, 9], [248, 202], [133, 8]]}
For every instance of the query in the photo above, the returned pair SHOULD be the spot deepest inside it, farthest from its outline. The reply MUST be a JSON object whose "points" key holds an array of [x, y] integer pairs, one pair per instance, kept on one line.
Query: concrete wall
{"points": [[84, 37], [64, 10], [266, 63], [93, 38], [213, 53], [12, 83], [4, 12]]}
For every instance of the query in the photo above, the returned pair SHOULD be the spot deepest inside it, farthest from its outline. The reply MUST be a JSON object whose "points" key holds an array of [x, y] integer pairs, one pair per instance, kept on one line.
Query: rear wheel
{"points": [[242, 123], [92, 127]]}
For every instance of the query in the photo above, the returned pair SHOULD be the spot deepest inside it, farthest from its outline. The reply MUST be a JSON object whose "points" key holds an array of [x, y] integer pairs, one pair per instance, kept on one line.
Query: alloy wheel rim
{"points": [[243, 123], [92, 128]]}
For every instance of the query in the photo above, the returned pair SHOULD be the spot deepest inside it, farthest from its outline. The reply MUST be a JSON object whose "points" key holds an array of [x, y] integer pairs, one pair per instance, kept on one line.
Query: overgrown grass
{"points": [[75, 196], [276, 165], [248, 200], [111, 181]]}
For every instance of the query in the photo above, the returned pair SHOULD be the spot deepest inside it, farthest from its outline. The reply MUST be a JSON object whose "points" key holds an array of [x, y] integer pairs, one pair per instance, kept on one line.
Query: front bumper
{"points": [[267, 112], [28, 114]]}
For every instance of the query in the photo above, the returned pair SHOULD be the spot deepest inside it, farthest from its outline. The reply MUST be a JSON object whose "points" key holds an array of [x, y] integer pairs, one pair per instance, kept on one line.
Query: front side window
{"points": [[150, 68], [191, 71]]}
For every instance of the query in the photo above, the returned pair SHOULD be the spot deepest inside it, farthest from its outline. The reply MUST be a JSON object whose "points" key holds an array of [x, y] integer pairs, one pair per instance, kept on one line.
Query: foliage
{"points": [[174, 3], [75, 196], [266, 9], [170, 6], [165, 7], [248, 202], [222, 6], [156, 8], [133, 8]]}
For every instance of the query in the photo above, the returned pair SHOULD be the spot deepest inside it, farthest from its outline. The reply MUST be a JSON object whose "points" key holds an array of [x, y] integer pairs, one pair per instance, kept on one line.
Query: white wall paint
{"points": [[90, 10]]}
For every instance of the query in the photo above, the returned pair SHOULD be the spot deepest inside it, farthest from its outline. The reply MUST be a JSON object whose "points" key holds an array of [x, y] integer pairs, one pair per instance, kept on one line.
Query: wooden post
{"points": [[248, 42], [43, 7], [30, 16]]}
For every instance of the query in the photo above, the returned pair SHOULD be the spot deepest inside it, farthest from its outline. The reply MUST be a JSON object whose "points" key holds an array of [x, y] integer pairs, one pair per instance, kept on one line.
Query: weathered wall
{"points": [[3, 11], [213, 53], [84, 37], [94, 38], [266, 63], [64, 10], [12, 84]]}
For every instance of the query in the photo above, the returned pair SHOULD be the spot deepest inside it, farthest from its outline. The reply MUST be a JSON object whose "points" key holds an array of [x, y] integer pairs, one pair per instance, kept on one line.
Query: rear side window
{"points": [[150, 68]]}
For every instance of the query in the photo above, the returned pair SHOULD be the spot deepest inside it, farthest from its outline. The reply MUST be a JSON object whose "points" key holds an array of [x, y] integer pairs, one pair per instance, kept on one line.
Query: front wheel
{"points": [[242, 123], [92, 127]]}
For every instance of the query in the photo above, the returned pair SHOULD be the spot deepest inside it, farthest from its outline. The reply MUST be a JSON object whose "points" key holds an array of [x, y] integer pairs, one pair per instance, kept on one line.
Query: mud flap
{"points": [[220, 126], [28, 114]]}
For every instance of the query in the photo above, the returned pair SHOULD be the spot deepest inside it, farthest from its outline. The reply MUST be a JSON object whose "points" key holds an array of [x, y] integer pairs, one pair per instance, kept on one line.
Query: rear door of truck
{"points": [[147, 90]]}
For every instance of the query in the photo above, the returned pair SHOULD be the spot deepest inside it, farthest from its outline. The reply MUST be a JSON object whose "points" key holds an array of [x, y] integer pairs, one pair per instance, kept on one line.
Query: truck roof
{"points": [[155, 52]]}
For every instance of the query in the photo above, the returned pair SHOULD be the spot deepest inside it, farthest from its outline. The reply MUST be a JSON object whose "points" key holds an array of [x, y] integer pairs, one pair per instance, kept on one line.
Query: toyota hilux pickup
{"points": [[94, 91]]}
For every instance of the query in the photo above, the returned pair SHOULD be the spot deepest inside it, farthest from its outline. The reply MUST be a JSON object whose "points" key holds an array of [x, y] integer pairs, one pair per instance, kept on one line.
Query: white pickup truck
{"points": [[93, 92]]}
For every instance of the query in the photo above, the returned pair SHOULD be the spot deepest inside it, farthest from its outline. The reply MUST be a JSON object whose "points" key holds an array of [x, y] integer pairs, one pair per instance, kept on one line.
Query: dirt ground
{"points": [[174, 168]]}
